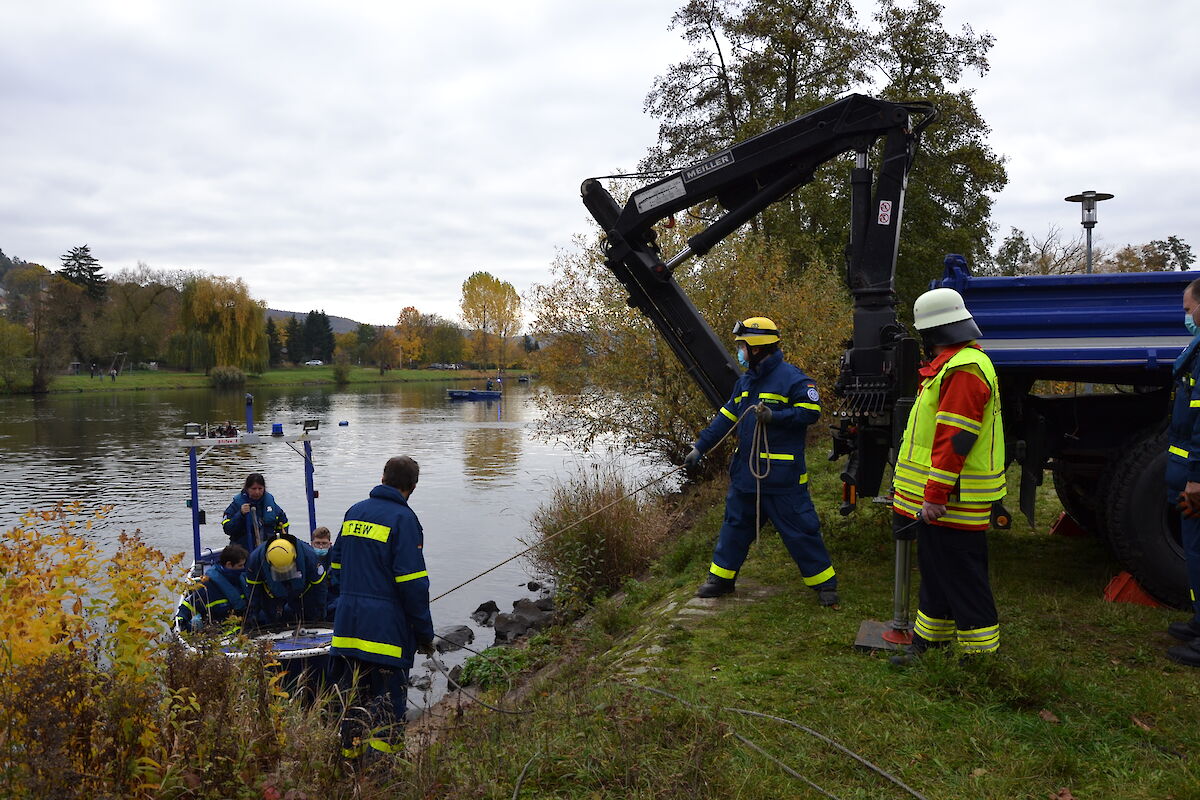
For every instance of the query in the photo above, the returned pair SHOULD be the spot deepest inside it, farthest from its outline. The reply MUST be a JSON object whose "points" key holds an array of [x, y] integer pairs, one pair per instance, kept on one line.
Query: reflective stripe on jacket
{"points": [[982, 477], [1183, 452], [795, 404]]}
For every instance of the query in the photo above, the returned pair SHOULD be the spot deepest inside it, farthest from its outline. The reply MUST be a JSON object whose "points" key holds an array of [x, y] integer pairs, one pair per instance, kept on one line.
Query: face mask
{"points": [[321, 551], [1190, 324], [741, 357]]}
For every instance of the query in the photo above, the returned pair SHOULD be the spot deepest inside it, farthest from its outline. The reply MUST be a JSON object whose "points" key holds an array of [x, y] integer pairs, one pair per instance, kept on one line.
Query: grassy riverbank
{"points": [[1080, 701], [287, 376]]}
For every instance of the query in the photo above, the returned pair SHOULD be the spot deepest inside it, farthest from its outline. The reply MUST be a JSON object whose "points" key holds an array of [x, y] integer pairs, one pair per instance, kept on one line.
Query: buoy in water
{"points": [[343, 423]]}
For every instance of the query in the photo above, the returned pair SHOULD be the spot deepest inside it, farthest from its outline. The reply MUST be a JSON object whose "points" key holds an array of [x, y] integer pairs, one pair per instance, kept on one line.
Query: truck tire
{"points": [[1081, 496], [1143, 530]]}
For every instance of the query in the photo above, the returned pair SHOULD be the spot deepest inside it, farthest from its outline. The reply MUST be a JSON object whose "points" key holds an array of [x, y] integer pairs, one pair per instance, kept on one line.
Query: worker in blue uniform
{"points": [[286, 582], [768, 478], [253, 515], [219, 594], [383, 609], [1183, 474]]}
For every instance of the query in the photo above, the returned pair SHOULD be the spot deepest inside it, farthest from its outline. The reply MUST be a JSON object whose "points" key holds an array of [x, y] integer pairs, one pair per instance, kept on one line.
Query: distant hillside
{"points": [[339, 324]]}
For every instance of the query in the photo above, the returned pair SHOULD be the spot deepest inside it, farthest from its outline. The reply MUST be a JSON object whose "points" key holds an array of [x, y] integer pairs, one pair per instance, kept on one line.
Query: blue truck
{"points": [[1111, 338], [1085, 363]]}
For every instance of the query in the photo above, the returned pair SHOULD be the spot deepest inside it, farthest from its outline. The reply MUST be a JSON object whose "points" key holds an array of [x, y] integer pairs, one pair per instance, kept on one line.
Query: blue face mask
{"points": [[1190, 324], [321, 550], [741, 357]]}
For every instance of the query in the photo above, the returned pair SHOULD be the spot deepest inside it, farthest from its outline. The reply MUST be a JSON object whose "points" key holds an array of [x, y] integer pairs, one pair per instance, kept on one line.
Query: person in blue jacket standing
{"points": [[383, 608], [1183, 474], [220, 594], [253, 515], [768, 478], [286, 582]]}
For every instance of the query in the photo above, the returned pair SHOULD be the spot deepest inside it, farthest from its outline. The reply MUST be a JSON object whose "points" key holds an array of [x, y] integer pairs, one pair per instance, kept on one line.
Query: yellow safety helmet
{"points": [[755, 331], [281, 553]]}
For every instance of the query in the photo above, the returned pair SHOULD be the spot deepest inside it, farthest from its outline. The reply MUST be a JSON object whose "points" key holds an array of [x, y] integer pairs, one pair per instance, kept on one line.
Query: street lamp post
{"points": [[1088, 200]]}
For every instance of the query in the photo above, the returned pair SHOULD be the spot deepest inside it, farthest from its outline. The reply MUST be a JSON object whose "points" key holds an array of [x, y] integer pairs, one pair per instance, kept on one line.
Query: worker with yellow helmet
{"points": [[286, 582], [768, 478]]}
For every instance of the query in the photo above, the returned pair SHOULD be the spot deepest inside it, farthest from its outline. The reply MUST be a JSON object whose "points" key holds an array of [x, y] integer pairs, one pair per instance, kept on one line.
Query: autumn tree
{"points": [[493, 308], [446, 344], [1052, 254], [228, 320], [385, 349], [613, 376], [412, 329], [1158, 256], [16, 355], [142, 311], [32, 290]]}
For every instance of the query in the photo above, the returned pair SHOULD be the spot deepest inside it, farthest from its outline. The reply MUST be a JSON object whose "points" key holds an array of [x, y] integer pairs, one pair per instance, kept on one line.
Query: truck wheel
{"points": [[1080, 497], [1142, 529]]}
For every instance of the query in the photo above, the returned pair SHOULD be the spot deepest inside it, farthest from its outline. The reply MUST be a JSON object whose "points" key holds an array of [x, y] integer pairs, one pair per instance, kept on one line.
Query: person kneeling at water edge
{"points": [[220, 593], [785, 402], [383, 609], [286, 582]]}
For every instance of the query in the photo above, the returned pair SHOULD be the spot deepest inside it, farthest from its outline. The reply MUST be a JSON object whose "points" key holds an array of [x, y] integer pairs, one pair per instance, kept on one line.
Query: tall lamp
{"points": [[1088, 201]]}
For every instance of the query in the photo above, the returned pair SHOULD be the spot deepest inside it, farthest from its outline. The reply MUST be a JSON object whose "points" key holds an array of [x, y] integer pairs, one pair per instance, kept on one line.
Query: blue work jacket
{"points": [[294, 599], [215, 598], [236, 525], [795, 404], [383, 597], [1183, 452]]}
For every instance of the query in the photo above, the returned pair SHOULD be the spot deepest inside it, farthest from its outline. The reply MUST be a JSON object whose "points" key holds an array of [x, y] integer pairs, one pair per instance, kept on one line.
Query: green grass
{"points": [[1080, 696], [288, 376]]}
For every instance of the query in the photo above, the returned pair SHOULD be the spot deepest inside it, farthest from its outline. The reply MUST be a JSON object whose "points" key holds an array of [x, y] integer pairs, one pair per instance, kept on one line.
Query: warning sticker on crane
{"points": [[660, 194], [885, 212]]}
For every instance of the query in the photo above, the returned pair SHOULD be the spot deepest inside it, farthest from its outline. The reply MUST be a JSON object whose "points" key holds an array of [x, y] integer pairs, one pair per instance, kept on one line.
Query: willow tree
{"points": [[493, 308], [231, 323]]}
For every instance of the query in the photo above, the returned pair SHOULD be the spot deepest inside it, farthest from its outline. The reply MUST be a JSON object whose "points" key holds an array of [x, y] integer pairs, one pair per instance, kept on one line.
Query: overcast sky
{"points": [[359, 157]]}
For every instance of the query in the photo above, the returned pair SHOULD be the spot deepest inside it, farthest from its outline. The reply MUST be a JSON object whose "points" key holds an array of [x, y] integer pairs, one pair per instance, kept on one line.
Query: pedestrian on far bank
{"points": [[113, 374], [93, 369]]}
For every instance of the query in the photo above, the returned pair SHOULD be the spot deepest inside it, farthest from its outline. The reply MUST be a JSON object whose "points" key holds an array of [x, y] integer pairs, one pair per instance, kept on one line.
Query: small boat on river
{"points": [[298, 647], [473, 394]]}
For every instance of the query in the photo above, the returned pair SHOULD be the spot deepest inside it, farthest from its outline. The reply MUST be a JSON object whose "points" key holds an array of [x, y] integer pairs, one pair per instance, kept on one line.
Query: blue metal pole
{"points": [[249, 413], [195, 503], [308, 486]]}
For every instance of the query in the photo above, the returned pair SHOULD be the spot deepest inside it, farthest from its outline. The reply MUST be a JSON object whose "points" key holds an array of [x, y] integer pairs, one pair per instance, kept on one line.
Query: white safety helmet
{"points": [[942, 317]]}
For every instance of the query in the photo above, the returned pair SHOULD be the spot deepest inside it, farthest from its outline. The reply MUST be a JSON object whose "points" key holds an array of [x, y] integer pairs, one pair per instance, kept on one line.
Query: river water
{"points": [[483, 473]]}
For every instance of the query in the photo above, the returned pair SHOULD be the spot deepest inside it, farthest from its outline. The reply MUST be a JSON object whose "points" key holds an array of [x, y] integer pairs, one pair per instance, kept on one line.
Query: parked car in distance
{"points": [[316, 362]]}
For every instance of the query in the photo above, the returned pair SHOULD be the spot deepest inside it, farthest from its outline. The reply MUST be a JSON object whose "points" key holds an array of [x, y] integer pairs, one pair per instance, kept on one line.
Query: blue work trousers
{"points": [[1190, 534], [798, 526]]}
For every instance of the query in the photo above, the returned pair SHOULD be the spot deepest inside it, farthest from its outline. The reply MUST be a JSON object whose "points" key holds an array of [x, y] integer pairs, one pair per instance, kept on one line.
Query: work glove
{"points": [[1187, 509], [425, 648], [692, 459], [764, 413]]}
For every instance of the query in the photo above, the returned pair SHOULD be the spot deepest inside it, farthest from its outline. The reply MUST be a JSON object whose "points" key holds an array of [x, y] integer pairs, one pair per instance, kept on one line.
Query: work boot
{"points": [[1184, 631], [715, 586], [913, 652], [1186, 654], [827, 595]]}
